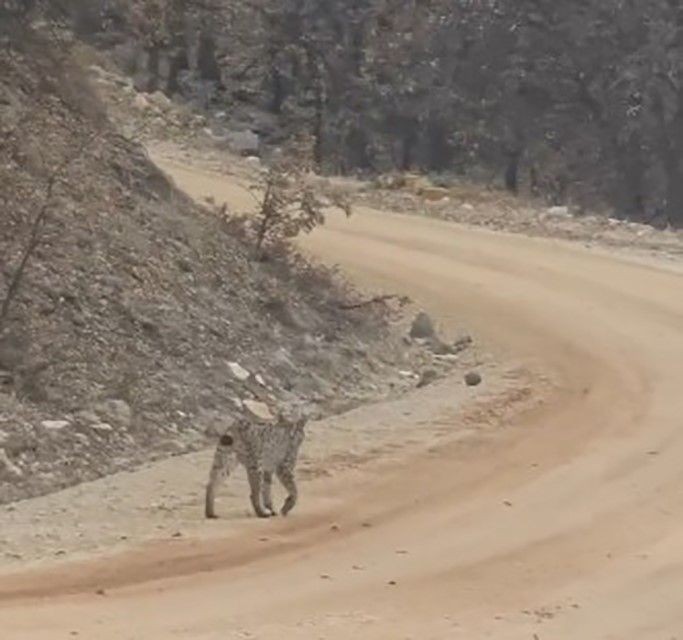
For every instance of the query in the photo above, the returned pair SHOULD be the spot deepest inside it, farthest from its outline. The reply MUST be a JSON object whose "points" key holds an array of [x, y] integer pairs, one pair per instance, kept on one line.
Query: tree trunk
{"points": [[629, 199], [277, 90], [409, 140], [512, 171], [206, 58], [153, 64]]}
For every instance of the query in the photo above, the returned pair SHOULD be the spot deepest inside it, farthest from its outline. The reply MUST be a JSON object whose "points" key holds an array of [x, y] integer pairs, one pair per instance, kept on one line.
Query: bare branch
{"points": [[37, 226]]}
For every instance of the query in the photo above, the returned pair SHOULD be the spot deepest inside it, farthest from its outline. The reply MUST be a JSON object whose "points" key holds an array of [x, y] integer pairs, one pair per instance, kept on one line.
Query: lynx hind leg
{"points": [[286, 477], [267, 492], [255, 477], [224, 461]]}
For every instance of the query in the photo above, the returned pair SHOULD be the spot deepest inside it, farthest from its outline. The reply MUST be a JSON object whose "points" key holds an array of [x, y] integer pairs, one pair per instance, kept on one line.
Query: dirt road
{"points": [[567, 525]]}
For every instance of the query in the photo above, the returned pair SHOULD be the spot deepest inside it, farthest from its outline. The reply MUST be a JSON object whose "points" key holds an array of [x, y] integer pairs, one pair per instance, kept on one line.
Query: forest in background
{"points": [[579, 103]]}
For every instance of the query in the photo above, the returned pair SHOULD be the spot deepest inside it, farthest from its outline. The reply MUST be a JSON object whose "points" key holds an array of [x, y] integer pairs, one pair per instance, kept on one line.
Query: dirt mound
{"points": [[135, 305]]}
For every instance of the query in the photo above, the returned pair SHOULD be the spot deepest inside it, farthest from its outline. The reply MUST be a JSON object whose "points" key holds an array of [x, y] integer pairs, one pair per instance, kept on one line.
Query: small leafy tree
{"points": [[290, 201]]}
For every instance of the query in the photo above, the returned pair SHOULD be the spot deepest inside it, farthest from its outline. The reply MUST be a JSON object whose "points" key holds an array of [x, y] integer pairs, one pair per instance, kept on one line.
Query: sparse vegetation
{"points": [[289, 201]]}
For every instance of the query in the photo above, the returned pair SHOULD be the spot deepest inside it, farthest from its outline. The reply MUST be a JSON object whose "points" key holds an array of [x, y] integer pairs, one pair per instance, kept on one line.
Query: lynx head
{"points": [[293, 419]]}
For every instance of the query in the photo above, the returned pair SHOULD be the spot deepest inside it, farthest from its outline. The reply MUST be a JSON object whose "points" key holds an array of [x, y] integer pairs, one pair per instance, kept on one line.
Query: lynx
{"points": [[263, 449]]}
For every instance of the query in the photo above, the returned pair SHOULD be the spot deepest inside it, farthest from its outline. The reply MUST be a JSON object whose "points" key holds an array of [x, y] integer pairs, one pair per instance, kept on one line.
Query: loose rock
{"points": [[239, 371], [257, 409], [114, 411], [472, 379], [422, 327], [54, 425], [427, 378]]}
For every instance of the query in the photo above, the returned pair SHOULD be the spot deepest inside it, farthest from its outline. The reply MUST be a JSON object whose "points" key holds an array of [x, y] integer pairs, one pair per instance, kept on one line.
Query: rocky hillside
{"points": [[133, 320]]}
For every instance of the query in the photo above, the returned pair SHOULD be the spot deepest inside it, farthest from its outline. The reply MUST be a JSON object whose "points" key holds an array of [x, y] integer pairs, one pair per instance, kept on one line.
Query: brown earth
{"points": [[566, 523]]}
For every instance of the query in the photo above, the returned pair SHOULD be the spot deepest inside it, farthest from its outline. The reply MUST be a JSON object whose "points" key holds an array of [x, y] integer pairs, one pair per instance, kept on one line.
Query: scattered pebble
{"points": [[472, 379]]}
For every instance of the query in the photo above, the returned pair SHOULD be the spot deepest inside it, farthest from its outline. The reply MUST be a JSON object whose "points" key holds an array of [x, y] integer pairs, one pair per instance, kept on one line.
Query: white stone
{"points": [[258, 409], [238, 371], [54, 425], [140, 102]]}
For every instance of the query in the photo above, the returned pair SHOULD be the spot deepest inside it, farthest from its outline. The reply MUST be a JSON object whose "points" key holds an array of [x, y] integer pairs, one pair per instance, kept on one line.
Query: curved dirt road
{"points": [[567, 525]]}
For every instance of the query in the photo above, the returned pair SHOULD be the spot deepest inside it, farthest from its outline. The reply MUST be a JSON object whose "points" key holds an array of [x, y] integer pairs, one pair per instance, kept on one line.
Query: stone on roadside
{"points": [[422, 327], [427, 378], [160, 100], [54, 425], [472, 379]]}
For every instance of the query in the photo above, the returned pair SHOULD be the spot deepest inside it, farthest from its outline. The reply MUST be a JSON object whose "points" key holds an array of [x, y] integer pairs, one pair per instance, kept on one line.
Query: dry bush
{"points": [[289, 200]]}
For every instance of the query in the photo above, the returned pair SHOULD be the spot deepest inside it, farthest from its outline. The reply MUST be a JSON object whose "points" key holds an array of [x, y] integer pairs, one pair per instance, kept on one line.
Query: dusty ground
{"points": [[564, 522], [164, 501]]}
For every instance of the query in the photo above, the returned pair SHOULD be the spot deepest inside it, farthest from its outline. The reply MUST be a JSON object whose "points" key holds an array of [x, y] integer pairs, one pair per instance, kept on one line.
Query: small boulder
{"points": [[87, 417], [141, 103], [244, 143], [422, 327], [427, 378], [238, 371], [116, 412], [102, 427], [160, 100], [54, 425], [258, 410], [472, 379]]}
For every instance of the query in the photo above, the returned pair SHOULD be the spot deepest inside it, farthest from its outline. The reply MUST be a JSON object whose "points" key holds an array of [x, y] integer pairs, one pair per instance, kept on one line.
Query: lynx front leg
{"points": [[267, 492], [223, 463], [255, 482], [286, 477]]}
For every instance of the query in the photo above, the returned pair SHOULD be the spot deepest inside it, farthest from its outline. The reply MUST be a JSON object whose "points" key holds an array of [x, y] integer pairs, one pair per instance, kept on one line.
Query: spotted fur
{"points": [[263, 449]]}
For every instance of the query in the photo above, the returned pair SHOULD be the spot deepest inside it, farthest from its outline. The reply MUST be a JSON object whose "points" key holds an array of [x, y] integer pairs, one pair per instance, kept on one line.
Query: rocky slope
{"points": [[140, 322]]}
